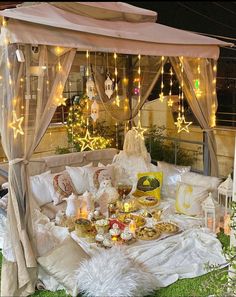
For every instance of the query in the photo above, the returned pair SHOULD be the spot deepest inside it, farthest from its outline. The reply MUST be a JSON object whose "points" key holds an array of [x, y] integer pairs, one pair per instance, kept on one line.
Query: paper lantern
{"points": [[90, 88], [94, 110], [108, 87], [209, 209], [225, 193]]}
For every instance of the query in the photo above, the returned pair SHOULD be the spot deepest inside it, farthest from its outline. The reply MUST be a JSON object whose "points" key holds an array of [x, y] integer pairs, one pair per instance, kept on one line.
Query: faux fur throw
{"points": [[112, 273]]}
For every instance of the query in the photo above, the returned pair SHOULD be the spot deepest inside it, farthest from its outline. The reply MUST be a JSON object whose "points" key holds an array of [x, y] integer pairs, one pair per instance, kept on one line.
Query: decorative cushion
{"points": [[40, 189], [45, 241], [189, 199], [98, 174], [171, 177], [149, 184], [63, 187], [209, 182], [79, 177], [62, 262], [112, 273]]}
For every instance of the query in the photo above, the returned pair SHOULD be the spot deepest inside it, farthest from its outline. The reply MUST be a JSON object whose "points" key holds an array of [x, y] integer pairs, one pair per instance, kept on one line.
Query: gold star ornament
{"points": [[87, 141], [16, 125], [139, 130], [182, 125], [61, 101]]}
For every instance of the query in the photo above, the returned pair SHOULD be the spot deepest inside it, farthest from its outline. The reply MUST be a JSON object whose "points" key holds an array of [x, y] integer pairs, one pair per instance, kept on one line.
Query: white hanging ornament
{"points": [[94, 110], [90, 88], [108, 87]]}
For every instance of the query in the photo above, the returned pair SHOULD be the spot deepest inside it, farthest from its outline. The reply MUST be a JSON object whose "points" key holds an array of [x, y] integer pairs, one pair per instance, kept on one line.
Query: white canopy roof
{"points": [[46, 23]]}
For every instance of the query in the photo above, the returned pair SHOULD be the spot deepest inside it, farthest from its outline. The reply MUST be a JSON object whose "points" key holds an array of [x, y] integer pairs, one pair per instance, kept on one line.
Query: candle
{"points": [[227, 224], [126, 207], [210, 223], [132, 227]]}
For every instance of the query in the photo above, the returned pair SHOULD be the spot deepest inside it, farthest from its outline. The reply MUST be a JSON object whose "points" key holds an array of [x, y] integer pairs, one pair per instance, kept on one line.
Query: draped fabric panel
{"points": [[150, 72], [201, 96], [29, 92]]}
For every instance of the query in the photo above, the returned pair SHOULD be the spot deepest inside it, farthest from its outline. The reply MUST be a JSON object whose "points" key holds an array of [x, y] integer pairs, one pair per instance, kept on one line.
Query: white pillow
{"points": [[62, 262], [79, 177], [45, 241], [189, 199], [171, 177], [40, 188], [209, 182]]}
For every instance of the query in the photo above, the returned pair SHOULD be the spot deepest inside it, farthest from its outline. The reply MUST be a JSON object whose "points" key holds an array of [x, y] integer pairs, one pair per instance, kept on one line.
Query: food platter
{"points": [[166, 227], [127, 218], [148, 201], [147, 233]]}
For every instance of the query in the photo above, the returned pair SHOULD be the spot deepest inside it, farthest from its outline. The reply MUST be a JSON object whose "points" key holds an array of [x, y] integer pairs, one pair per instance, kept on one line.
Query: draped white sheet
{"points": [[31, 118]]}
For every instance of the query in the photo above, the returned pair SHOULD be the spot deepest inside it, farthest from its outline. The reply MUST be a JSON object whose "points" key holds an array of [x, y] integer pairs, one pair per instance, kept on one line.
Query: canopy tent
{"points": [[51, 25], [108, 27]]}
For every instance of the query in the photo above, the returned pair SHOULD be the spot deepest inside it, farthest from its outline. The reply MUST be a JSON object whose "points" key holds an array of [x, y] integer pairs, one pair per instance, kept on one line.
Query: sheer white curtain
{"points": [[150, 72], [29, 97], [201, 96]]}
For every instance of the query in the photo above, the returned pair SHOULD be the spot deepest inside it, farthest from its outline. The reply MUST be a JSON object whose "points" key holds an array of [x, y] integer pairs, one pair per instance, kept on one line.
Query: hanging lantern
{"points": [[94, 110], [108, 87], [225, 193], [209, 209], [90, 88]]}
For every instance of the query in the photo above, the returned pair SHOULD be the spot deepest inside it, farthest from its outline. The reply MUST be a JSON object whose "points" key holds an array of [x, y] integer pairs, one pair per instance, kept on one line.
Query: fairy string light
{"points": [[60, 100], [181, 122], [117, 100], [213, 106], [139, 129], [197, 89], [170, 101], [161, 95]]}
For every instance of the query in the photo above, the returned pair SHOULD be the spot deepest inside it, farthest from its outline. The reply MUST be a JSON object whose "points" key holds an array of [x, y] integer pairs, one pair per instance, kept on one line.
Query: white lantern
{"points": [[225, 193], [90, 88], [94, 110], [209, 209], [108, 87]]}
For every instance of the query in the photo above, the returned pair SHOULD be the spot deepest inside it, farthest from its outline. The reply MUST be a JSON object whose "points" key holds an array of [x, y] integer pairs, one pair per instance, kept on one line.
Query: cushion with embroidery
{"points": [[63, 187], [189, 199], [98, 174]]}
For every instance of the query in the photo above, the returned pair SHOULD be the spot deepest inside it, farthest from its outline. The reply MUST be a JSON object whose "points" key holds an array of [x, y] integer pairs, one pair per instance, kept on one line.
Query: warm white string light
{"points": [[139, 129], [181, 122], [161, 95], [170, 101], [117, 100]]}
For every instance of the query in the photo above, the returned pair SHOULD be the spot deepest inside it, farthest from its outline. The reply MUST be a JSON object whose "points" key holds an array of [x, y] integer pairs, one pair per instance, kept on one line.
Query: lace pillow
{"points": [[189, 199], [98, 174], [63, 187]]}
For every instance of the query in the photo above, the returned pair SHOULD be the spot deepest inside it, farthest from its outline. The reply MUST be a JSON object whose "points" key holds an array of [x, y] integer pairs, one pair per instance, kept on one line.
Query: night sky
{"points": [[217, 18]]}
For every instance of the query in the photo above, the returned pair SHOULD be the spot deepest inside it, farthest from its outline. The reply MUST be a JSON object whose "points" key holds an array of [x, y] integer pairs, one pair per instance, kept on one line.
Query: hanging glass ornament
{"points": [[94, 111], [90, 88], [108, 86]]}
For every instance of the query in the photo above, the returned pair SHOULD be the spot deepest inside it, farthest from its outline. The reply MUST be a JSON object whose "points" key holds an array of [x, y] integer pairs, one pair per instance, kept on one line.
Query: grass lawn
{"points": [[190, 287]]}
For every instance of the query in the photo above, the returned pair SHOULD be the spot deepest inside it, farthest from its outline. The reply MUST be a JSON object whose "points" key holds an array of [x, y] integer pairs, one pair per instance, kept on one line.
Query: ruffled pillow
{"points": [[63, 187]]}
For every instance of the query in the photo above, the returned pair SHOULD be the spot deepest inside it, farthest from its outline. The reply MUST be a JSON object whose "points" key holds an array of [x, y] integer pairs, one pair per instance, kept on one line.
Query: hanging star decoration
{"points": [[182, 124], [161, 97], [139, 130], [170, 102], [61, 101], [87, 141], [16, 125]]}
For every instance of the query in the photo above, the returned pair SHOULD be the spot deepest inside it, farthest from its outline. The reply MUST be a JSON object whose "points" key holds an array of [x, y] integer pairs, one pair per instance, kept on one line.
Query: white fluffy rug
{"points": [[112, 273]]}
